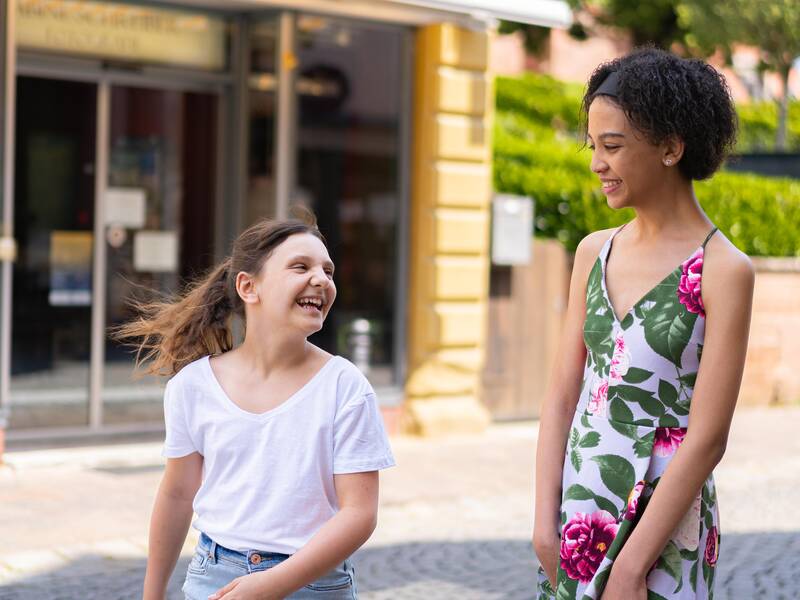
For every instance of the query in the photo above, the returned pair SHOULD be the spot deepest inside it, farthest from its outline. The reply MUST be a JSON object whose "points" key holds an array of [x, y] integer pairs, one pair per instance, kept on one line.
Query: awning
{"points": [[547, 13]]}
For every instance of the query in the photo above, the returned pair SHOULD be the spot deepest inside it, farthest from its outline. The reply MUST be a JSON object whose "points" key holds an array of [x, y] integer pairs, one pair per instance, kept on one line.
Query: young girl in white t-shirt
{"points": [[276, 444]]}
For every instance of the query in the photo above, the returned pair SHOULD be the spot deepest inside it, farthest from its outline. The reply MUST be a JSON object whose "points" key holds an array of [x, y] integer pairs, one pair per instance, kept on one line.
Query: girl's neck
{"points": [[268, 353], [673, 213]]}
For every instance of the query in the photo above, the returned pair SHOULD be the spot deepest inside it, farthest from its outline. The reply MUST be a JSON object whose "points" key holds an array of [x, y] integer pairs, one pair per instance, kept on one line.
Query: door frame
{"points": [[68, 69]]}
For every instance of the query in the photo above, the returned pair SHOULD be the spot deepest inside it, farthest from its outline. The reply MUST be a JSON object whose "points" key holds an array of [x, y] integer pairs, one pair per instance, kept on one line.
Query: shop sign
{"points": [[119, 31]]}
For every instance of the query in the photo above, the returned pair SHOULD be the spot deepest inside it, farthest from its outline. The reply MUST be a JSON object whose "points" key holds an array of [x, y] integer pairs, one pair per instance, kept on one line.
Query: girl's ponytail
{"points": [[170, 335]]}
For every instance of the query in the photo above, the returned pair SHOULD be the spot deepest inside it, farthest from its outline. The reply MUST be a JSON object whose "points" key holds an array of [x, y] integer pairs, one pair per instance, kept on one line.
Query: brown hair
{"points": [[172, 333]]}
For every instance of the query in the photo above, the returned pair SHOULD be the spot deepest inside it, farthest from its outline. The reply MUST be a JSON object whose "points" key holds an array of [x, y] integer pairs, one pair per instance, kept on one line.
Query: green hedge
{"points": [[537, 153], [758, 123]]}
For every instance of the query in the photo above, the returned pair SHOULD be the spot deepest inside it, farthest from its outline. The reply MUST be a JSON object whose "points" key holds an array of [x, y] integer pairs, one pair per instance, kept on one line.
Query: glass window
{"points": [[53, 224], [350, 90]]}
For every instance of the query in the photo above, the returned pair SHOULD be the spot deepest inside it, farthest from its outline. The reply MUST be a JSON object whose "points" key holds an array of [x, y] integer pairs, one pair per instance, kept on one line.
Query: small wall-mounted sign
{"points": [[512, 229]]}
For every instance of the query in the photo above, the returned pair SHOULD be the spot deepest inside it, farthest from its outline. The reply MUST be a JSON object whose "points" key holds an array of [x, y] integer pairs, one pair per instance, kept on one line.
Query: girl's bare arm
{"points": [[342, 535], [169, 523], [559, 407]]}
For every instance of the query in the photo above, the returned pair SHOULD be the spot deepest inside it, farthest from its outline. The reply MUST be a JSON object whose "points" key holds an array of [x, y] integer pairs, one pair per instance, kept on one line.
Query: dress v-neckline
{"points": [[603, 258]]}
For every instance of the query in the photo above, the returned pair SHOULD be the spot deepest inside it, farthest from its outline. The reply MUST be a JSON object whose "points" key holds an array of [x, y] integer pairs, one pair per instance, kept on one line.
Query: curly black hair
{"points": [[664, 95]]}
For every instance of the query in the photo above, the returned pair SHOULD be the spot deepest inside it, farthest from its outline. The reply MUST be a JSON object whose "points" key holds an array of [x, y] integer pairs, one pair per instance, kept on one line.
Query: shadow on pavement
{"points": [[752, 565]]}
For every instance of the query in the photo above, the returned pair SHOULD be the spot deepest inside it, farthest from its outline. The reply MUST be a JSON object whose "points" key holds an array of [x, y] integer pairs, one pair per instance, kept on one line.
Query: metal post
{"points": [[402, 235], [286, 123], [98, 333], [7, 233]]}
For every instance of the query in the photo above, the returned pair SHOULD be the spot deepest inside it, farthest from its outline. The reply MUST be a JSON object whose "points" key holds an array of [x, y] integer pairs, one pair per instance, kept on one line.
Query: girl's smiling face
{"points": [[628, 165], [295, 287]]}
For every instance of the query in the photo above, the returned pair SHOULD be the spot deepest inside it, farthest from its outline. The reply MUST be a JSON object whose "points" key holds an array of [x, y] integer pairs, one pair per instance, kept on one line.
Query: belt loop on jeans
{"points": [[212, 552]]}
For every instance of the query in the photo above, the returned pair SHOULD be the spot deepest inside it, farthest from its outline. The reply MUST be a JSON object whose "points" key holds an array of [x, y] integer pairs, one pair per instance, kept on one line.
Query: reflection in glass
{"points": [[159, 219], [53, 221], [262, 102], [350, 90]]}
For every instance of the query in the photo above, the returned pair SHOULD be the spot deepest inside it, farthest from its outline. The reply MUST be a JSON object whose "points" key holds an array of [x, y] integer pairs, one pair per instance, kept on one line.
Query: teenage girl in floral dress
{"points": [[640, 404]]}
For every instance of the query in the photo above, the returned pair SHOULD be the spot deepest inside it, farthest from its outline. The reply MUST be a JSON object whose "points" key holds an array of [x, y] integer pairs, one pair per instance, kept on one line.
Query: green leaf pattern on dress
{"points": [[631, 417]]}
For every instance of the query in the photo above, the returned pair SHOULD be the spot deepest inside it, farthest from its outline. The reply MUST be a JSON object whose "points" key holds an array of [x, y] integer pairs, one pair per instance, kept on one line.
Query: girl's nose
{"points": [[319, 278], [598, 165]]}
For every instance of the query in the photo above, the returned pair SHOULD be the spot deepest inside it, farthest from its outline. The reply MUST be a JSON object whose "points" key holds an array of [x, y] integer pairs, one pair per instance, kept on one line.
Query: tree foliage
{"points": [[652, 22], [771, 25]]}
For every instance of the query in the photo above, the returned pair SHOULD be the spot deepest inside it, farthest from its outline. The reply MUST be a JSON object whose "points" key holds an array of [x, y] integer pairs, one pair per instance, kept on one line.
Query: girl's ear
{"points": [[672, 150], [246, 287]]}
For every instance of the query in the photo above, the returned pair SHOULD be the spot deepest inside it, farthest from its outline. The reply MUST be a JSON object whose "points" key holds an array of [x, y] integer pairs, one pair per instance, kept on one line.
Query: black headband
{"points": [[609, 85]]}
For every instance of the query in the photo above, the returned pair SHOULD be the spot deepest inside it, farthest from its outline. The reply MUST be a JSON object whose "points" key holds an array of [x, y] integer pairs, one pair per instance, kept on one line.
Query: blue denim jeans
{"points": [[214, 566]]}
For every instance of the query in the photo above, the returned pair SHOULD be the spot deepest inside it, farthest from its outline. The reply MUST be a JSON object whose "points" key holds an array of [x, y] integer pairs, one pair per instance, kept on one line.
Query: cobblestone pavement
{"points": [[454, 523]]}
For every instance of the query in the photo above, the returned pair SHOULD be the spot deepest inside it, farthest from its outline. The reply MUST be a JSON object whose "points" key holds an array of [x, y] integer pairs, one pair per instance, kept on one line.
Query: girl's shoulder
{"points": [[348, 371], [588, 251], [726, 269], [195, 373], [350, 381]]}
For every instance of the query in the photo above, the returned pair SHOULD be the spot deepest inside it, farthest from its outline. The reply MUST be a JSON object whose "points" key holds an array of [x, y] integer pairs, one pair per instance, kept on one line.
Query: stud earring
{"points": [[668, 162]]}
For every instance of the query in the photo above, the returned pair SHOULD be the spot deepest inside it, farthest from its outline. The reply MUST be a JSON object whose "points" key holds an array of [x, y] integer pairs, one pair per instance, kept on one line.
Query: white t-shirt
{"points": [[268, 478]]}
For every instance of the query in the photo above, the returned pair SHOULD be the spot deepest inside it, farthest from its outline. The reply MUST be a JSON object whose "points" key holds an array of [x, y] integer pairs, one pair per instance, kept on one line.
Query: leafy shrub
{"points": [[758, 123], [534, 158]]}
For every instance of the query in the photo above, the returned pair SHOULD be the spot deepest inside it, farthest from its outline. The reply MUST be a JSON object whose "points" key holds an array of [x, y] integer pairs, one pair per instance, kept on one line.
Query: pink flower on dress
{"points": [[584, 543], [633, 500], [667, 440], [598, 398], [620, 361], [712, 547], [689, 286]]}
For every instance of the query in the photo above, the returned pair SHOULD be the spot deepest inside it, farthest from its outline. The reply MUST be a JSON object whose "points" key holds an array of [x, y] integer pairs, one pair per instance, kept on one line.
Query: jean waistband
{"points": [[250, 557]]}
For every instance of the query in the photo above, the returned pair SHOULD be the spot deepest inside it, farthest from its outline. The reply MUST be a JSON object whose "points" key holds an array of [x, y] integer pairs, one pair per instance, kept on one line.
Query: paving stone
{"points": [[455, 520]]}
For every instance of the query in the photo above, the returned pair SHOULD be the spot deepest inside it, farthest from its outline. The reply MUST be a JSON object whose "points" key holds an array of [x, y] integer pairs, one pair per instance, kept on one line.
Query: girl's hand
{"points": [[623, 587], [248, 587], [547, 551]]}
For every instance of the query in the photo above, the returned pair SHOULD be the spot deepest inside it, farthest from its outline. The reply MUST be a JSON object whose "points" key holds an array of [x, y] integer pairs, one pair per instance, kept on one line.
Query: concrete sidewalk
{"points": [[455, 518]]}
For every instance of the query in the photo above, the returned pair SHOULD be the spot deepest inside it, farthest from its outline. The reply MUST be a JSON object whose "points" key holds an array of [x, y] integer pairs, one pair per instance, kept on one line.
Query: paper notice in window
{"points": [[155, 251], [125, 207], [70, 268]]}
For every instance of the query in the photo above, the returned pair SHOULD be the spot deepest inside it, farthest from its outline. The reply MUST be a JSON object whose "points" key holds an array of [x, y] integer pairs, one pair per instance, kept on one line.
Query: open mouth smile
{"points": [[611, 185], [312, 304]]}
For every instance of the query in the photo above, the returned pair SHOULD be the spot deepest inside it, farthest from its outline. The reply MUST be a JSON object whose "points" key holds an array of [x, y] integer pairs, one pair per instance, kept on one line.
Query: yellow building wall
{"points": [[450, 218]]}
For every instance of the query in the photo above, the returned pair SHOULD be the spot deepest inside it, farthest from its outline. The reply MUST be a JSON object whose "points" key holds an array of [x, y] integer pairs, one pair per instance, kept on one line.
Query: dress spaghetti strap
{"points": [[710, 234]]}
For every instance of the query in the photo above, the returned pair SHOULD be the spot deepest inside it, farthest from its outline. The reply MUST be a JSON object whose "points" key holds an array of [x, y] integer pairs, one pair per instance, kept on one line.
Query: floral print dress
{"points": [[630, 419]]}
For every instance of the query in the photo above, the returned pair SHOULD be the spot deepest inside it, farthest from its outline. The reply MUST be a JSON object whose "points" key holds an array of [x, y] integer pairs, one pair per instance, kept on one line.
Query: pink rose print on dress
{"points": [[689, 286], [633, 500], [667, 440], [620, 361], [584, 543], [598, 399], [712, 547]]}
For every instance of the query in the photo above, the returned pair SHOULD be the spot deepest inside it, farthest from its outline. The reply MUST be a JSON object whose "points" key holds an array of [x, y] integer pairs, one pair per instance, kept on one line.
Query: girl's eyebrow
{"points": [[609, 134], [303, 257]]}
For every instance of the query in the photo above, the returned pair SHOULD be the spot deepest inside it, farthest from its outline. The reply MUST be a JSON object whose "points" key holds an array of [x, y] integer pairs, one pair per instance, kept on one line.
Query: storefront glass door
{"points": [[53, 222], [158, 175], [159, 216]]}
